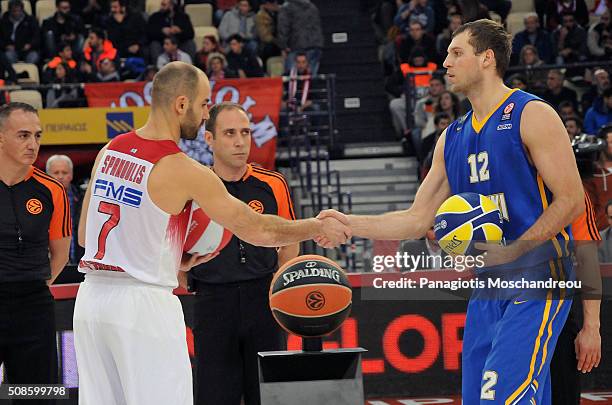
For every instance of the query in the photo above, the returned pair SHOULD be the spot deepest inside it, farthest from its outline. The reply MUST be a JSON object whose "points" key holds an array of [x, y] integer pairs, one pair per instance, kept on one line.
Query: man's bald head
{"points": [[174, 80]]}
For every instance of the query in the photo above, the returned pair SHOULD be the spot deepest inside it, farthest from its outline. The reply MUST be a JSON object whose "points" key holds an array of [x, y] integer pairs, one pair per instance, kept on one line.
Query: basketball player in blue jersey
{"points": [[513, 147]]}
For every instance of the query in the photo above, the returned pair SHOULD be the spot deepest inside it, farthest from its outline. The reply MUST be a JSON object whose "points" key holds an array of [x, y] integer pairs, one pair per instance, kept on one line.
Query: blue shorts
{"points": [[510, 338]]}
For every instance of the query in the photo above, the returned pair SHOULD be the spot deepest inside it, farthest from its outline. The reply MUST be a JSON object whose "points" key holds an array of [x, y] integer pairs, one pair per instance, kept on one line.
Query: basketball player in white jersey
{"points": [[129, 329]]}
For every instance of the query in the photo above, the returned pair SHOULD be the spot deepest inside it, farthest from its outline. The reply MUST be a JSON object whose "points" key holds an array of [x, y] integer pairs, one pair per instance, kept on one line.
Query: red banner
{"points": [[261, 98]]}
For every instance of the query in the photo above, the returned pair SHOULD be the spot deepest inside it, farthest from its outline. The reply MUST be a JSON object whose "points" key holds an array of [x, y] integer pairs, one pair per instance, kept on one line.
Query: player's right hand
{"points": [[188, 261], [335, 229]]}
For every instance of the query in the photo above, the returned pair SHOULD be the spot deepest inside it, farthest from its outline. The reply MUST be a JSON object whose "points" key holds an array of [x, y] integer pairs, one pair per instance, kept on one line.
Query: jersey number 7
{"points": [[115, 215]]}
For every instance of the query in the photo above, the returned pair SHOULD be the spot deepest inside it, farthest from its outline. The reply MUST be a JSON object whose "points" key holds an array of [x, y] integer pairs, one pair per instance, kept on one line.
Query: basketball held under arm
{"points": [[547, 143], [414, 222]]}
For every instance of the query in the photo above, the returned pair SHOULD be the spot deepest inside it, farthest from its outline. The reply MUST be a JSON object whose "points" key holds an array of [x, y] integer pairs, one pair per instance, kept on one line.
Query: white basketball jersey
{"points": [[126, 231]]}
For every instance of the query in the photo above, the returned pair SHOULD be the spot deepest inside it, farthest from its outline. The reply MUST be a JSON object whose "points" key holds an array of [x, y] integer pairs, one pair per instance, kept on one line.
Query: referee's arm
{"points": [[285, 210]]}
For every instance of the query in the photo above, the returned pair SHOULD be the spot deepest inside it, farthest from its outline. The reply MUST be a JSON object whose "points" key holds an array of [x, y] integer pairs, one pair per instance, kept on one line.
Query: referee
{"points": [[232, 318], [35, 233]]}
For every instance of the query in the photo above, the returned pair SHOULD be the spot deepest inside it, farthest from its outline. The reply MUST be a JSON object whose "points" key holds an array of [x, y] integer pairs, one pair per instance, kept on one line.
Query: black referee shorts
{"points": [[232, 322], [28, 346]]}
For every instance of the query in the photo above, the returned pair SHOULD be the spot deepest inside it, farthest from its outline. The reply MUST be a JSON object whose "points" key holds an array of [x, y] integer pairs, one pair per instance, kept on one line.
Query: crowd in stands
{"points": [[116, 40], [414, 36]]}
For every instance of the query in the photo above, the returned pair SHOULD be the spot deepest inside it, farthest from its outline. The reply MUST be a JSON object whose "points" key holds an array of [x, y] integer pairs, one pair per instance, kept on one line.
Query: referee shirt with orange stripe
{"points": [[266, 192], [584, 228], [34, 211]]}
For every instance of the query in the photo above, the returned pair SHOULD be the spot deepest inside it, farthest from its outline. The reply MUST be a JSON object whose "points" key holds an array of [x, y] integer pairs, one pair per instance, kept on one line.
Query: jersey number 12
{"points": [[482, 173]]}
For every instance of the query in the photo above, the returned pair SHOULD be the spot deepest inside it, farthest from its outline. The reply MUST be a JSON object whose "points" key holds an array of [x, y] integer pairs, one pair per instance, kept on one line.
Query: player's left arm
{"points": [[547, 143], [545, 139]]}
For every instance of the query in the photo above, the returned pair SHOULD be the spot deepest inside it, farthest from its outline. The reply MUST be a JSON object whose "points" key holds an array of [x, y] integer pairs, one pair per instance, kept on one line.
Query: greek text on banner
{"points": [[75, 126]]}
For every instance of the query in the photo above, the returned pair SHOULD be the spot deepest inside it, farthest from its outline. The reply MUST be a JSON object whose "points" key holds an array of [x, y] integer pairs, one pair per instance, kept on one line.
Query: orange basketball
{"points": [[310, 296]]}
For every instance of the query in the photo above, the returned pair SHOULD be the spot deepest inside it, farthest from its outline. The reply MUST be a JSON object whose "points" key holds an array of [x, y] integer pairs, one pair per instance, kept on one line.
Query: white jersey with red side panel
{"points": [[125, 230]]}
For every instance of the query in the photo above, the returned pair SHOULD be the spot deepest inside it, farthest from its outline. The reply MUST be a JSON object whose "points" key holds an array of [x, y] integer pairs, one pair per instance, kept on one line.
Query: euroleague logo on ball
{"points": [[315, 300], [257, 206], [34, 206]]}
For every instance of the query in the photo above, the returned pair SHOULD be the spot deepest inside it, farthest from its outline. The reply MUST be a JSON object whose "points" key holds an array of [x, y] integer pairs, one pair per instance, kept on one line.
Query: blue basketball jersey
{"points": [[489, 158]]}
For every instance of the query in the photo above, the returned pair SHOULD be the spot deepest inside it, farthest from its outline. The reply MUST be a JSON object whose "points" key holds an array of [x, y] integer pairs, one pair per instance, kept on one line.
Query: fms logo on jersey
{"points": [[124, 195]]}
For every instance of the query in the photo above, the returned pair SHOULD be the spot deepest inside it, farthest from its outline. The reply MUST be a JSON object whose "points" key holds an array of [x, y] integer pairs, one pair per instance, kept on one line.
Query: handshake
{"points": [[335, 227]]}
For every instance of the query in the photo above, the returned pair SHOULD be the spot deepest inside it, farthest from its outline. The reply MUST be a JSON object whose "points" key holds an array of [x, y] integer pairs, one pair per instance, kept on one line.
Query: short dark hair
{"points": [[7, 109], [577, 120], [172, 38], [487, 34], [439, 78], [236, 37], [216, 109], [98, 31], [63, 45], [13, 3], [441, 116], [57, 2], [566, 103]]}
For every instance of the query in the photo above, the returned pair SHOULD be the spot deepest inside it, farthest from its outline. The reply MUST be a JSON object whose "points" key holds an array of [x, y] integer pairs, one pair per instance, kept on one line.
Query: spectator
{"points": [[414, 10], [417, 38], [148, 74], [444, 38], [126, 30], [422, 111], [602, 82], [169, 20], [556, 92], [299, 30], [107, 71], [418, 63], [239, 20], [573, 125], [92, 11], [62, 96], [266, 25], [473, 10], [7, 73], [501, 7], [441, 121], [60, 167], [600, 38], [570, 41], [382, 18], [209, 46], [217, 67], [241, 62], [449, 104], [605, 248], [19, 34], [567, 110], [599, 114], [222, 7], [529, 58], [299, 96], [534, 35], [63, 27], [63, 57], [97, 47], [555, 9], [172, 53]]}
